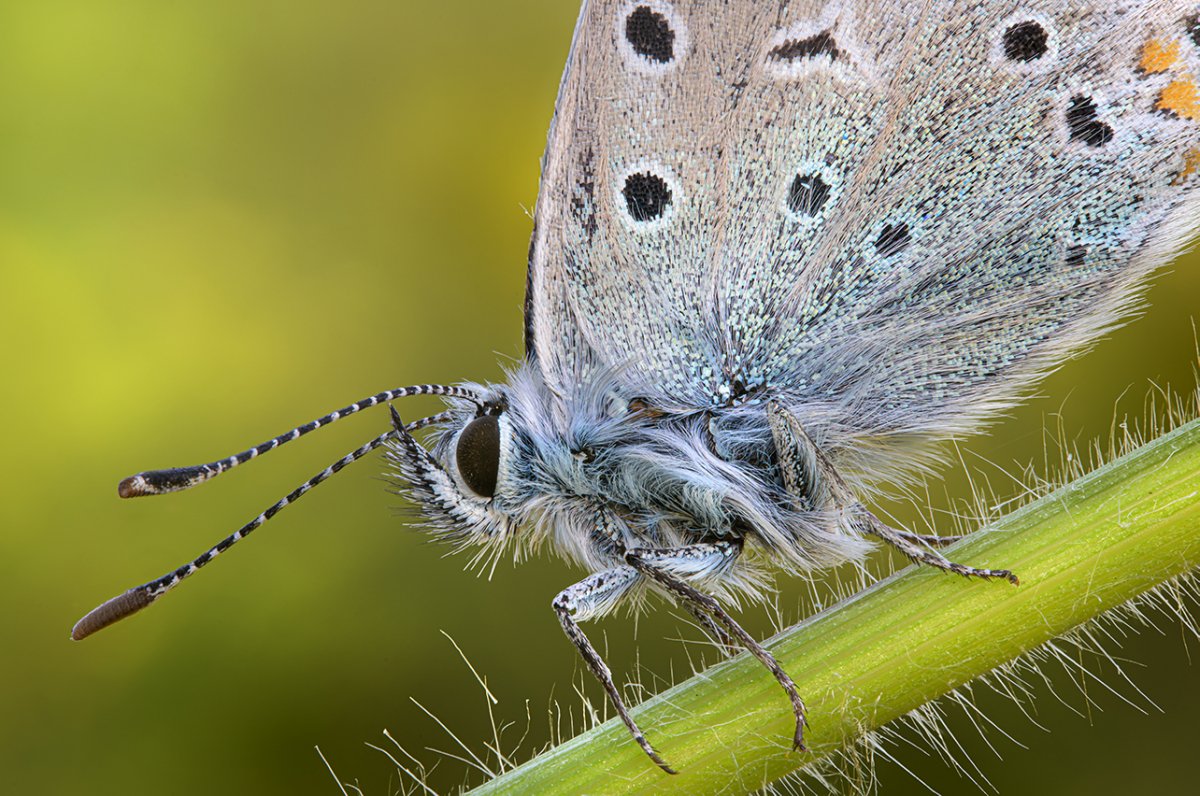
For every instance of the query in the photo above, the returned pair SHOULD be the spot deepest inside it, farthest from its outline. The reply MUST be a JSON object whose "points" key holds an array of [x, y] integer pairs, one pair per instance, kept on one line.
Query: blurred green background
{"points": [[221, 219]]}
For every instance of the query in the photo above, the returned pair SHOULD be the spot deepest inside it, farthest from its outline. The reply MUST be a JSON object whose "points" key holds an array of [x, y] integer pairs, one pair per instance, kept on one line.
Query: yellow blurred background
{"points": [[218, 220]]}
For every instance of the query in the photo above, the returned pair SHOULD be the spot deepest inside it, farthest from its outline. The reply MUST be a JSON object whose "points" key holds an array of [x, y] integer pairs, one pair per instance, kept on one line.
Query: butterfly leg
{"points": [[591, 597], [809, 476], [929, 539], [904, 543], [712, 629], [663, 566]]}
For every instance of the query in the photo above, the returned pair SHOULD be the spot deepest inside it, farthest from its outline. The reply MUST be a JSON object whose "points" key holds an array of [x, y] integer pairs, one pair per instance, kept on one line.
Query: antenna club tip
{"points": [[81, 630], [115, 609], [133, 486]]}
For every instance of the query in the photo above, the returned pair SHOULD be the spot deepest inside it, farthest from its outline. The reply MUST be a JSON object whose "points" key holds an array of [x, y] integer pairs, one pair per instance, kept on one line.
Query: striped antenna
{"points": [[139, 597], [175, 479]]}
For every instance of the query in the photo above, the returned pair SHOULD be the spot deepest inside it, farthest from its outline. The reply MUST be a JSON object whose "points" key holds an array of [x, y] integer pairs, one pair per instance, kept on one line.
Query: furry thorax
{"points": [[599, 472]]}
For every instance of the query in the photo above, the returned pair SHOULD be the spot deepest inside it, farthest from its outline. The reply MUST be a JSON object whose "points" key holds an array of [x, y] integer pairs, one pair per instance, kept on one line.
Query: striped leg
{"points": [[668, 568], [807, 475], [591, 597], [811, 478], [903, 542], [932, 541], [711, 629]]}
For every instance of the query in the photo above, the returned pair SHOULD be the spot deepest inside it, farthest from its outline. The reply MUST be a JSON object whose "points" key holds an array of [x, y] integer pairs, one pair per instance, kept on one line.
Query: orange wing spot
{"points": [[1182, 98], [1159, 56], [1191, 164]]}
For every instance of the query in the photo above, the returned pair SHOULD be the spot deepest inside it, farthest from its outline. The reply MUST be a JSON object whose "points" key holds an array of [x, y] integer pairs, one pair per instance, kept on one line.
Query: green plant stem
{"points": [[1087, 547]]}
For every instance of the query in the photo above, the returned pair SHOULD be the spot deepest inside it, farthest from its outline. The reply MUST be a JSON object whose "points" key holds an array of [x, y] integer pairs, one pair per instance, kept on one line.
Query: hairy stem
{"points": [[1084, 549]]}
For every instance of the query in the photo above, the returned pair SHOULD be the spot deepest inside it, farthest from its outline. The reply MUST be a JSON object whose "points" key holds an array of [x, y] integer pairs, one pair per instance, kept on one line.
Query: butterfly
{"points": [[781, 251]]}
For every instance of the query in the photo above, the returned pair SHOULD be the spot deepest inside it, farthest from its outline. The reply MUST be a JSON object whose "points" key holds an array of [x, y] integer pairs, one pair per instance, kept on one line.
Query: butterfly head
{"points": [[518, 463]]}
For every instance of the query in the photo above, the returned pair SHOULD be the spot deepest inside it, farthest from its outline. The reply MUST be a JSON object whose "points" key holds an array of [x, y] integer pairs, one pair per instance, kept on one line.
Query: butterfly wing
{"points": [[1025, 171], [631, 189], [893, 214]]}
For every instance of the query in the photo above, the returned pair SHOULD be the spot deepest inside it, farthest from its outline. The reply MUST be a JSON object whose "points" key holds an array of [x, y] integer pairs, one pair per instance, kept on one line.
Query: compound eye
{"points": [[478, 455]]}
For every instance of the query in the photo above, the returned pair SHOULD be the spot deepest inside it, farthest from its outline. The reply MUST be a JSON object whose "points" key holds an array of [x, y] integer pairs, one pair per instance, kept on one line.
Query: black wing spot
{"points": [[1083, 124], [1025, 41], [650, 34], [808, 194], [893, 239], [1075, 256], [1193, 28], [795, 49], [646, 196]]}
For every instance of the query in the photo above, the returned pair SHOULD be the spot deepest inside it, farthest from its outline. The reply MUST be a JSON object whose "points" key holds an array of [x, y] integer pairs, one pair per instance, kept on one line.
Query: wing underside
{"points": [[894, 214]]}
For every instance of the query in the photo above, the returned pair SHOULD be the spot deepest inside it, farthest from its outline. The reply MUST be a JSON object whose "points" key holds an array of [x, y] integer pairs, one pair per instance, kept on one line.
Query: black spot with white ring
{"points": [[1083, 123], [808, 194], [1025, 41], [893, 239], [649, 34], [647, 196]]}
